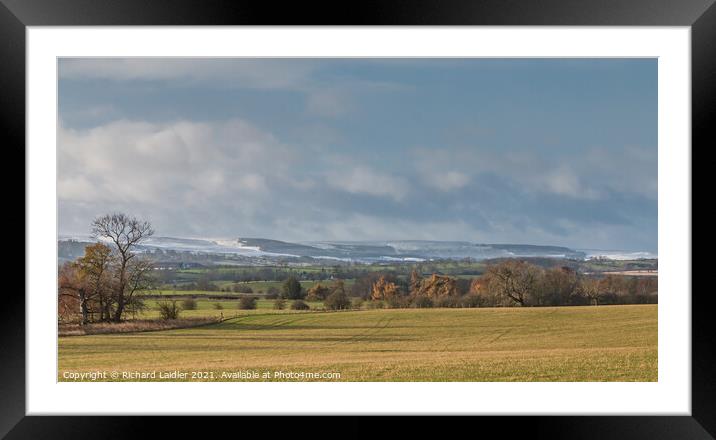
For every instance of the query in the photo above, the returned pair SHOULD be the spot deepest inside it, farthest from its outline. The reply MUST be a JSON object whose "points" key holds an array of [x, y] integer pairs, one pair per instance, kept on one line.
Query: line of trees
{"points": [[101, 285], [514, 283], [210, 275], [334, 295]]}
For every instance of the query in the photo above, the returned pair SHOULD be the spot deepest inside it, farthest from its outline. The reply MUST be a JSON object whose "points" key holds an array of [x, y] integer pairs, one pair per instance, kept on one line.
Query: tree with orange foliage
{"points": [[318, 292], [383, 290], [415, 281], [95, 266], [72, 285], [477, 286], [437, 286]]}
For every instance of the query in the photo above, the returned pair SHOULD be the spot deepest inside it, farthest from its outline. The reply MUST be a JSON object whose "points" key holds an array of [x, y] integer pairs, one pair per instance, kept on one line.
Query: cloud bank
{"points": [[242, 176]]}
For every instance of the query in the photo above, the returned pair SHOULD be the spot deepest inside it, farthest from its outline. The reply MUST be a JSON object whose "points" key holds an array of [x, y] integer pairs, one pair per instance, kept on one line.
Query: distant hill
{"points": [[359, 251]]}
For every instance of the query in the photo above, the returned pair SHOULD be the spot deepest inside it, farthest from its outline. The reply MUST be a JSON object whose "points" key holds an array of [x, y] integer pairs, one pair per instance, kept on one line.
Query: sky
{"points": [[534, 151]]}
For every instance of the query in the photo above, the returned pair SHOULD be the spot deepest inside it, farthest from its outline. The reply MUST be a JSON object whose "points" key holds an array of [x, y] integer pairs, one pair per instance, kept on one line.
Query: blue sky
{"points": [[543, 151]]}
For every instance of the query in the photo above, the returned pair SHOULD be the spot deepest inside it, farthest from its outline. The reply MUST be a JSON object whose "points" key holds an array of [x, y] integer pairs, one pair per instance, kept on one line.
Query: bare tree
{"points": [[516, 280], [169, 309], [557, 287], [591, 288], [125, 233], [139, 277]]}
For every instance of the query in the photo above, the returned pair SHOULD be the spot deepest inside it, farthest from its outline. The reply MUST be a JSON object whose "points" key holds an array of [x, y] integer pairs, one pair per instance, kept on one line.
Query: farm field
{"points": [[229, 308], [258, 287], [604, 343]]}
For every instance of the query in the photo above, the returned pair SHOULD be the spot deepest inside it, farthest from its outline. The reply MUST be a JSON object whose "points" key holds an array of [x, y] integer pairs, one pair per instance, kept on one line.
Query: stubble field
{"points": [[603, 343]]}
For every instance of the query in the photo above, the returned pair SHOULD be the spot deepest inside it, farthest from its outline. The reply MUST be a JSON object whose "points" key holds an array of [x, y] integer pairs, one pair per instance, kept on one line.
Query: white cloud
{"points": [[329, 103], [440, 170], [231, 178], [170, 168], [449, 181], [78, 188], [207, 178], [363, 180], [564, 181]]}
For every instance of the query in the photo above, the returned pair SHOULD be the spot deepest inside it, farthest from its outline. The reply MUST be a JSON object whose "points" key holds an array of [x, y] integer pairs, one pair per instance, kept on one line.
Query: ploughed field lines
{"points": [[615, 343]]}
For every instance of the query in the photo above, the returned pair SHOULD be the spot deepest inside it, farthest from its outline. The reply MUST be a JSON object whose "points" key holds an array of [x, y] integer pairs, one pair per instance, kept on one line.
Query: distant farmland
{"points": [[602, 343]]}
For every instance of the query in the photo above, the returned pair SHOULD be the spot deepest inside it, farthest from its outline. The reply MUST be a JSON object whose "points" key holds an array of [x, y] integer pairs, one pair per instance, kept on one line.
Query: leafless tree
{"points": [[125, 233], [139, 277], [591, 288], [516, 280], [557, 287]]}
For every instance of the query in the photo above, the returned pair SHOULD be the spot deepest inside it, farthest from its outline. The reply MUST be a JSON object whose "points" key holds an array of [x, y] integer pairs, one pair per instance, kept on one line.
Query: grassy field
{"points": [[605, 343], [258, 287], [229, 308]]}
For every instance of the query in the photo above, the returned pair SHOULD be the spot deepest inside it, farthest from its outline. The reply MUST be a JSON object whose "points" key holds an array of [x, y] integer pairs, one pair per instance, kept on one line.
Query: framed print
{"points": [[225, 218]]}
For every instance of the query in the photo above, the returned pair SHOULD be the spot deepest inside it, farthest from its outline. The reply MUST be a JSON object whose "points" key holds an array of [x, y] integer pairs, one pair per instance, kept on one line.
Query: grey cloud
{"points": [[327, 97], [249, 73], [230, 178], [582, 175]]}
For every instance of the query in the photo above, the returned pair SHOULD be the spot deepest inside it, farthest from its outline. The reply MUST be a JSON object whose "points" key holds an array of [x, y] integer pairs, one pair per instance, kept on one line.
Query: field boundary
{"points": [[203, 324], [200, 324]]}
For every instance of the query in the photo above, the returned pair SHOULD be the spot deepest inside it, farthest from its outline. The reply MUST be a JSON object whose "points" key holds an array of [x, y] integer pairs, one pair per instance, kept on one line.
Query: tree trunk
{"points": [[119, 311], [83, 309], [120, 290], [101, 309]]}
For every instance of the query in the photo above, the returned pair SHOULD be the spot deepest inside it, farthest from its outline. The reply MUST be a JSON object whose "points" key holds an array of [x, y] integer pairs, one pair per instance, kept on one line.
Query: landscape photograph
{"points": [[357, 220]]}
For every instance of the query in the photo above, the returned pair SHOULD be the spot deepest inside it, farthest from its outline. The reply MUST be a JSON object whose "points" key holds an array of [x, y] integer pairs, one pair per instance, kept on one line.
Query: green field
{"points": [[258, 287], [604, 343], [207, 307]]}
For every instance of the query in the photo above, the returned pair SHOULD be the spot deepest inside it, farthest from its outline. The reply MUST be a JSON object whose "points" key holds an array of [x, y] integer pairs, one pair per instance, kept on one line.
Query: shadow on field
{"points": [[370, 332], [288, 323], [287, 326], [332, 340]]}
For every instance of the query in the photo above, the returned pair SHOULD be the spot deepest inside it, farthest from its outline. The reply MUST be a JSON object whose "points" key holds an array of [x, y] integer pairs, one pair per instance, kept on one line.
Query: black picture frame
{"points": [[16, 15]]}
